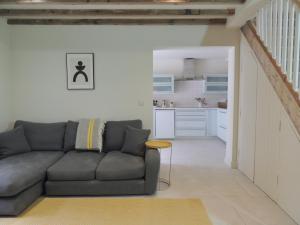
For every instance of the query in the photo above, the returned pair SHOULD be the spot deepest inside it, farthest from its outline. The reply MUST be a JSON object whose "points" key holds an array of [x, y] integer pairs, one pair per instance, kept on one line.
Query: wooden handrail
{"points": [[282, 87]]}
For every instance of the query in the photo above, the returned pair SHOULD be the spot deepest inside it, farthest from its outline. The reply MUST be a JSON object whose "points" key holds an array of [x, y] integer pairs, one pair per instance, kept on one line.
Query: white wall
{"points": [[123, 61], [5, 94], [203, 66], [212, 66], [186, 92], [123, 68]]}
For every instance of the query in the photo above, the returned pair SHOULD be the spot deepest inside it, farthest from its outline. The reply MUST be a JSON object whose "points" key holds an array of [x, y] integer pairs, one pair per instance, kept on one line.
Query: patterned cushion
{"points": [[89, 134]]}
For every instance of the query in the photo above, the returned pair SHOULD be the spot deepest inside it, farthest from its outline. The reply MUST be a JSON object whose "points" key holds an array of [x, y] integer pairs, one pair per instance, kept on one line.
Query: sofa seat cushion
{"points": [[75, 166], [120, 166], [21, 171]]}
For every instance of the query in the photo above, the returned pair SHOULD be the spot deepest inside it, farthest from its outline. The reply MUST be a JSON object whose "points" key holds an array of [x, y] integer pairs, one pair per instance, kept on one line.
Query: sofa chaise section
{"points": [[21, 179]]}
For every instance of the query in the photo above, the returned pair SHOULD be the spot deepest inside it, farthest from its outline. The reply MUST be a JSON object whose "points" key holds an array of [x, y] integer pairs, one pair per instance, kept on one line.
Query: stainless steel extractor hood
{"points": [[189, 69]]}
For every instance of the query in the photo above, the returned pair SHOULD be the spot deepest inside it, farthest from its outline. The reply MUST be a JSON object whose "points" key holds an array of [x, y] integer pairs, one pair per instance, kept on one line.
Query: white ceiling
{"points": [[198, 53]]}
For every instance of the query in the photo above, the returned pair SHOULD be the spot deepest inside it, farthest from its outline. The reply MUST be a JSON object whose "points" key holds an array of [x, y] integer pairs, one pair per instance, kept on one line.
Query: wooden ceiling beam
{"points": [[169, 2], [108, 14], [118, 4], [116, 22]]}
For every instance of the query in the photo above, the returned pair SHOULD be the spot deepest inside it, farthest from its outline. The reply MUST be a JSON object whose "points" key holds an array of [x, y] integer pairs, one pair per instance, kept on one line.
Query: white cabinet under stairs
{"points": [[269, 145]]}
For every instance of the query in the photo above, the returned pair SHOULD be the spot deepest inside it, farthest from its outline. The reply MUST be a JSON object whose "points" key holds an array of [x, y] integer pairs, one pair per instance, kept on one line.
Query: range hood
{"points": [[190, 69]]}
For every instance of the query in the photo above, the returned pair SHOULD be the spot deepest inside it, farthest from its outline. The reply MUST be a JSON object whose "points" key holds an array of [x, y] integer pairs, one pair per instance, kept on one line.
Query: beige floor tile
{"points": [[199, 171]]}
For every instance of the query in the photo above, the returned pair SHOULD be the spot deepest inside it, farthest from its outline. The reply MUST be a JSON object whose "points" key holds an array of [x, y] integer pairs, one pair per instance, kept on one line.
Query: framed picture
{"points": [[80, 71]]}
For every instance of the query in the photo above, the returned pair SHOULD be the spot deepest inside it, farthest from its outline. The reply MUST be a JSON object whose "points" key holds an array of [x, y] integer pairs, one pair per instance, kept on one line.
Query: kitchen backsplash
{"points": [[187, 91]]}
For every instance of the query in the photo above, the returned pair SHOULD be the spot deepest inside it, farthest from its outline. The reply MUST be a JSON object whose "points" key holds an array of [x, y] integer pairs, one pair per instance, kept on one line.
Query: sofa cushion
{"points": [[44, 136], [120, 166], [13, 142], [75, 166], [21, 171], [114, 133], [70, 135], [89, 134], [135, 141]]}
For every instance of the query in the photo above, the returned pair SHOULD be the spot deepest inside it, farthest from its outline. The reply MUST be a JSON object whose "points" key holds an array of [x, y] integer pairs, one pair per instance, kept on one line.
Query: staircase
{"points": [[275, 39]]}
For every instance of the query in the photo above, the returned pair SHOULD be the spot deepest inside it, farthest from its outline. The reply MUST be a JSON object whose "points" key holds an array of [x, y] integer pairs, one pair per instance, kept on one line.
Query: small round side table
{"points": [[160, 145]]}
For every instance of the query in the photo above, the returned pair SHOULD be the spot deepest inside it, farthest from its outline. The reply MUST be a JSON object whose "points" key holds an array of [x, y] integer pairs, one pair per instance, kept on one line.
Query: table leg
{"points": [[162, 180]]}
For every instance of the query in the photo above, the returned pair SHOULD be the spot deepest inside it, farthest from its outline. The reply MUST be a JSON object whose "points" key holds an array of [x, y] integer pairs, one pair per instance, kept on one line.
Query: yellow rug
{"points": [[113, 211]]}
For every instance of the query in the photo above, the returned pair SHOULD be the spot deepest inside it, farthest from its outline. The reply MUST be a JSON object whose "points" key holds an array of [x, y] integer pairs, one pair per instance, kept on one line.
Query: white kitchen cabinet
{"points": [[212, 122], [190, 122], [164, 123], [216, 84], [247, 115], [222, 124], [163, 84]]}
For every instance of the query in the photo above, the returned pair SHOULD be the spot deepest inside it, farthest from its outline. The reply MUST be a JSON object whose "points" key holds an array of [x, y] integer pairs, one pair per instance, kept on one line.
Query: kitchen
{"points": [[190, 93]]}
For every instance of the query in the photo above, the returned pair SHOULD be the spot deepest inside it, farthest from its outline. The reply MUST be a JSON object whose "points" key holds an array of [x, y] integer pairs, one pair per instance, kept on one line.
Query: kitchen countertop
{"points": [[191, 107]]}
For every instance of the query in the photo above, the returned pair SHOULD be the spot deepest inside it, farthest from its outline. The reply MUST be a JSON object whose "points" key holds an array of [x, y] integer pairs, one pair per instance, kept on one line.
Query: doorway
{"points": [[193, 95]]}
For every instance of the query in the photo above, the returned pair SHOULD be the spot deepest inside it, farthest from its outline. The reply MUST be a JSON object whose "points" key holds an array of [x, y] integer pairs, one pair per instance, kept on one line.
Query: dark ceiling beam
{"points": [[58, 13], [121, 1], [116, 22], [154, 12]]}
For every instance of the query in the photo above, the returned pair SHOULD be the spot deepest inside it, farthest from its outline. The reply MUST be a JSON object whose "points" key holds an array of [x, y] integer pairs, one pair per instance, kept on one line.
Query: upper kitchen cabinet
{"points": [[216, 83], [163, 84]]}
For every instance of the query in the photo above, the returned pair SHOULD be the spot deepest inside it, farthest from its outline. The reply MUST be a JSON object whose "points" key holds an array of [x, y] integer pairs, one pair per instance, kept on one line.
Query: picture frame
{"points": [[80, 71]]}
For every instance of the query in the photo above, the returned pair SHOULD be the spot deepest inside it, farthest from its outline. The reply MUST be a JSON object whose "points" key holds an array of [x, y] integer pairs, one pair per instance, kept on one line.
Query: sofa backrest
{"points": [[44, 136], [114, 133]]}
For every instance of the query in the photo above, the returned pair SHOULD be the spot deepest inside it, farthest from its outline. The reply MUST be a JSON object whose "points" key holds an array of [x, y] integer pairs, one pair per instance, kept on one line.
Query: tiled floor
{"points": [[230, 197]]}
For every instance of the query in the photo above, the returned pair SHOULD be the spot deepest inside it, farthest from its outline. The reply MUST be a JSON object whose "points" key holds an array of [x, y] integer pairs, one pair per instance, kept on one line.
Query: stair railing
{"points": [[278, 26]]}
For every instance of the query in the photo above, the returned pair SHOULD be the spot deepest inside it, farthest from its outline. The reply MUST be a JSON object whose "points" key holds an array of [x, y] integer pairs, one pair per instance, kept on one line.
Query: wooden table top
{"points": [[158, 144]]}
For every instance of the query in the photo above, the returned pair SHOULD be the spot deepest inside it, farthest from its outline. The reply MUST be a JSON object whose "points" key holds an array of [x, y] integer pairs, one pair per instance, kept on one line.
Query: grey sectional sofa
{"points": [[53, 167]]}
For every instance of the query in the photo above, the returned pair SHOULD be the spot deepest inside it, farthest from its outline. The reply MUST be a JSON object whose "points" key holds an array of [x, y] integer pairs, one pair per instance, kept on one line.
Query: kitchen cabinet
{"points": [[222, 124], [185, 122], [164, 123], [163, 84], [190, 122], [212, 122], [216, 84]]}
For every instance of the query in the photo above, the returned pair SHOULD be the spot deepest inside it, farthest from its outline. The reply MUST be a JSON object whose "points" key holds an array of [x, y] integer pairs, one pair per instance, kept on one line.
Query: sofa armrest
{"points": [[152, 161]]}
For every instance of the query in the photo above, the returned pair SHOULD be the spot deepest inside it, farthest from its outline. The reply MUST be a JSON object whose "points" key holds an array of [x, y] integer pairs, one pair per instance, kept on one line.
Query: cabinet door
{"points": [[267, 136], [222, 118], [247, 118], [163, 84], [164, 124], [212, 122], [289, 169]]}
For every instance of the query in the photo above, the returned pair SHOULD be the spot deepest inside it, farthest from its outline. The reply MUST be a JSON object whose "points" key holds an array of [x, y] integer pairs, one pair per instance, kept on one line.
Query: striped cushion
{"points": [[89, 134]]}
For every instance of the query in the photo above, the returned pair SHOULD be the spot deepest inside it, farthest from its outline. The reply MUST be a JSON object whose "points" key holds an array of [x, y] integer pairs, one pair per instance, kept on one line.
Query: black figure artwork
{"points": [[80, 71], [80, 67]]}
